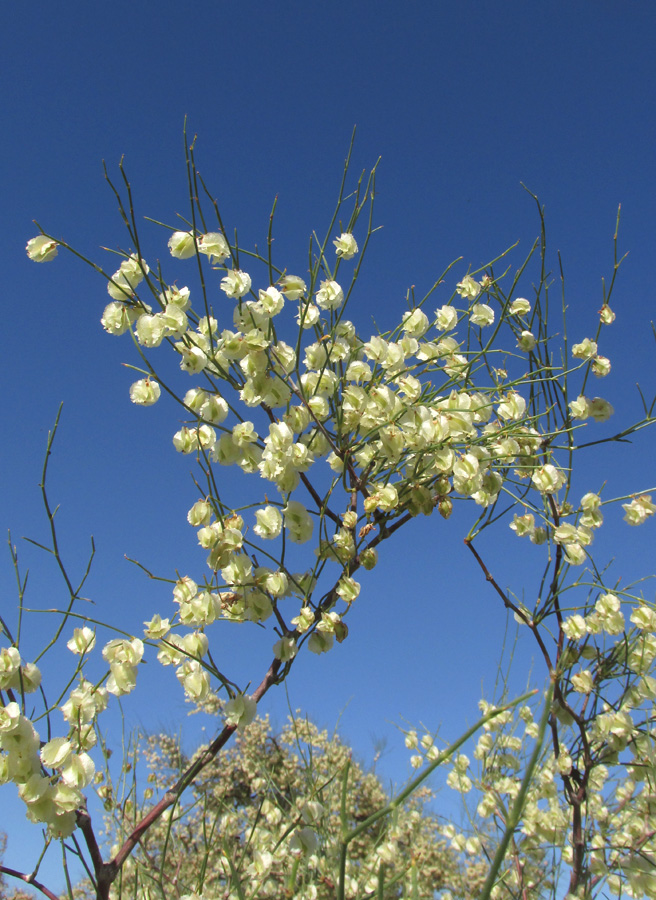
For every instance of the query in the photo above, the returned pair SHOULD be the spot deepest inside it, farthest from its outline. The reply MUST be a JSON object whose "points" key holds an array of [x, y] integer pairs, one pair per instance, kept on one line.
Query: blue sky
{"points": [[462, 102]]}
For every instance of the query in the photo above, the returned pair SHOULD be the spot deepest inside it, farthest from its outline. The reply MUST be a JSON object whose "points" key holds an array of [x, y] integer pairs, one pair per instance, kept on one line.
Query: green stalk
{"points": [[517, 807]]}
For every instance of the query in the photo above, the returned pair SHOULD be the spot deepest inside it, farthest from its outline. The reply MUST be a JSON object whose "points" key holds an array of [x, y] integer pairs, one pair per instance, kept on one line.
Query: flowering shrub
{"points": [[477, 402], [275, 802]]}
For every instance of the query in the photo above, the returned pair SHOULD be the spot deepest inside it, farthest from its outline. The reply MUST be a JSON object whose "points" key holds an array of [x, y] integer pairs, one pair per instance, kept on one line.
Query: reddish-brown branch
{"points": [[85, 826], [106, 872], [510, 605], [28, 879], [577, 876], [576, 795], [317, 499], [553, 587]]}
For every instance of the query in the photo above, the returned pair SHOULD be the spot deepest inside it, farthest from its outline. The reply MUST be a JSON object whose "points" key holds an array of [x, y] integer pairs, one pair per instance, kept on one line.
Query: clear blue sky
{"points": [[463, 101]]}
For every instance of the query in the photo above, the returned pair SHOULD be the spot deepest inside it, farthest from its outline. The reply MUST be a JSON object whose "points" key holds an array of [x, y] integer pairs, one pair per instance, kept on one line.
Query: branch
{"points": [[85, 826], [510, 605], [29, 879], [106, 873]]}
